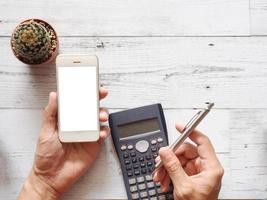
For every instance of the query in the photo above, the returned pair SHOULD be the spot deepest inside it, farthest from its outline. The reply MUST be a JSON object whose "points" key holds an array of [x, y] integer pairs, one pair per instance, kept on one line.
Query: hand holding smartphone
{"points": [[78, 98]]}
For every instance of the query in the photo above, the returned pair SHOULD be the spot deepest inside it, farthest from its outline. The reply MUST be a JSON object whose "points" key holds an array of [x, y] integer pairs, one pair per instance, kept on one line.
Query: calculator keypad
{"points": [[139, 165], [142, 146]]}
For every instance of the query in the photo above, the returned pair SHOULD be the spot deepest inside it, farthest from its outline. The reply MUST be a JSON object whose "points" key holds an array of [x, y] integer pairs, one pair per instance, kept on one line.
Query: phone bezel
{"points": [[73, 60]]}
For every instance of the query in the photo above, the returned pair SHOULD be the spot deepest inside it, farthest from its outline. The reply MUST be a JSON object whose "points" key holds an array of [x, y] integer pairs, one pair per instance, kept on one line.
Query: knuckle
{"points": [[172, 166], [45, 111], [205, 139], [186, 192], [220, 171], [217, 173]]}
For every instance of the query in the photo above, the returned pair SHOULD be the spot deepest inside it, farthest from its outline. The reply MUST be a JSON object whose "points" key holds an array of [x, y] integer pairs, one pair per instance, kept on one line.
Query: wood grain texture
{"points": [[178, 72], [239, 137], [258, 17], [131, 18], [162, 64]]}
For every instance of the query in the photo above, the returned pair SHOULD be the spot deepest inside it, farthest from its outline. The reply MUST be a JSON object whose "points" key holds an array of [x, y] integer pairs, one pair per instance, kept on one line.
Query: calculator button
{"points": [[135, 196], [136, 166], [160, 140], [142, 165], [128, 167], [132, 181], [127, 162], [162, 197], [148, 157], [153, 142], [148, 177], [123, 147], [150, 184], [153, 149], [133, 154], [125, 155], [137, 172], [149, 164], [153, 198], [140, 179], [134, 160], [133, 188], [141, 186], [143, 171], [130, 147], [143, 194], [141, 159], [142, 146], [155, 155], [129, 173], [159, 190], [158, 184], [152, 192]]}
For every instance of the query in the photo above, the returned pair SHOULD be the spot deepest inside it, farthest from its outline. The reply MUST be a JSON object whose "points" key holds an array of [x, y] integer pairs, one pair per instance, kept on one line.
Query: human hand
{"points": [[195, 171], [58, 165]]}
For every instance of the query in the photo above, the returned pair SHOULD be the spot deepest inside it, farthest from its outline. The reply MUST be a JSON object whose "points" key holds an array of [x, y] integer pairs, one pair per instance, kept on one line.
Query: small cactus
{"points": [[34, 42]]}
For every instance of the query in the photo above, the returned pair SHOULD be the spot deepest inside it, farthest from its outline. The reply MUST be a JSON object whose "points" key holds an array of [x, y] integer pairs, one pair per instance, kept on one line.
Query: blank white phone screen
{"points": [[78, 98]]}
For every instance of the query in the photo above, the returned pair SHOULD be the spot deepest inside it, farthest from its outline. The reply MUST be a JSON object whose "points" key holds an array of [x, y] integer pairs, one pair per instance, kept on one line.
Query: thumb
{"points": [[50, 114], [172, 166]]}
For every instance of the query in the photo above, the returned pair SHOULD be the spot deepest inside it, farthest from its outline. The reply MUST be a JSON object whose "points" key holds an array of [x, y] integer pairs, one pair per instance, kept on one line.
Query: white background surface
{"points": [[177, 52], [78, 98]]}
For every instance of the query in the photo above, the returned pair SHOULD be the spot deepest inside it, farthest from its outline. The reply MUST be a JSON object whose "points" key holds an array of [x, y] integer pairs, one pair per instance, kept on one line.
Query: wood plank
{"points": [[258, 17], [239, 137], [132, 18], [178, 72]]}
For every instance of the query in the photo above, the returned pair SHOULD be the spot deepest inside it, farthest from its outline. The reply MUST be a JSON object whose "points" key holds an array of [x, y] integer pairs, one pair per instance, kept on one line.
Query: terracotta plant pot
{"points": [[34, 42]]}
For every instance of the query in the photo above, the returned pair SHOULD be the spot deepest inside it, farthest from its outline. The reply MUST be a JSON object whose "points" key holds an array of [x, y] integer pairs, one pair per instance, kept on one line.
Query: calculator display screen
{"points": [[138, 127]]}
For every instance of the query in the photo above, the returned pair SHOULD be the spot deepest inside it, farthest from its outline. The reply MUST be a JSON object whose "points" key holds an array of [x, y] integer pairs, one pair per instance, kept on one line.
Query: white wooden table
{"points": [[181, 53]]}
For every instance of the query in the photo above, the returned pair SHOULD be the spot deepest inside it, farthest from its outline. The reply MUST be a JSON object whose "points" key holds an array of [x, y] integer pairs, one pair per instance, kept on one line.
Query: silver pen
{"points": [[188, 129]]}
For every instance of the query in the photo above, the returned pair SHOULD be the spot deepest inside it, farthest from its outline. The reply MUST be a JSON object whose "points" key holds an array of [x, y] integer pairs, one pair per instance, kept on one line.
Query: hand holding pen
{"points": [[194, 170], [187, 130]]}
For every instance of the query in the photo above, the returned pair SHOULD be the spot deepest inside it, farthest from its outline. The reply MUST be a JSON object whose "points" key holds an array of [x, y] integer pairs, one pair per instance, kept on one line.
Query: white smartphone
{"points": [[78, 98]]}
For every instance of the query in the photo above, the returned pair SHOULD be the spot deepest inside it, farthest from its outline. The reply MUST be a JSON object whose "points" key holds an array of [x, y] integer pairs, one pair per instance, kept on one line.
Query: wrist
{"points": [[36, 188]]}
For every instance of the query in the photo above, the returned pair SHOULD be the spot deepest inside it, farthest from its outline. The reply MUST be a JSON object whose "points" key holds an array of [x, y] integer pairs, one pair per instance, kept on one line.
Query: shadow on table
{"points": [[4, 165], [43, 81]]}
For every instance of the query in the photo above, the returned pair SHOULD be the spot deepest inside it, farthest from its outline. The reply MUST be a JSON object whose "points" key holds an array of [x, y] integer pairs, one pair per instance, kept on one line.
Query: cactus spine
{"points": [[33, 42]]}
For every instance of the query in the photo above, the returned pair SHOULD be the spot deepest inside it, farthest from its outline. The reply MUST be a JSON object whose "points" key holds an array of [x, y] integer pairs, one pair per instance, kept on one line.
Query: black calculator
{"points": [[138, 134]]}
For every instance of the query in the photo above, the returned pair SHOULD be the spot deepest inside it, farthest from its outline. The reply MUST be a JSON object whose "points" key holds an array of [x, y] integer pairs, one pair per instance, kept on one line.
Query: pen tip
{"points": [[210, 105]]}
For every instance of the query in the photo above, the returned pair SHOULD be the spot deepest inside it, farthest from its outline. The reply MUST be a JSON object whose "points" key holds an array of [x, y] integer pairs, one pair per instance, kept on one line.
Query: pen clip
{"points": [[191, 120]]}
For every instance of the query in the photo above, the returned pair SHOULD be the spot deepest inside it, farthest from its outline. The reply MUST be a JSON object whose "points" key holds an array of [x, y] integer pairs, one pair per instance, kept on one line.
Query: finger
{"points": [[159, 175], [165, 183], [182, 160], [172, 165], [190, 168], [102, 93], [189, 151], [157, 159], [103, 115], [204, 146], [50, 114], [104, 133]]}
